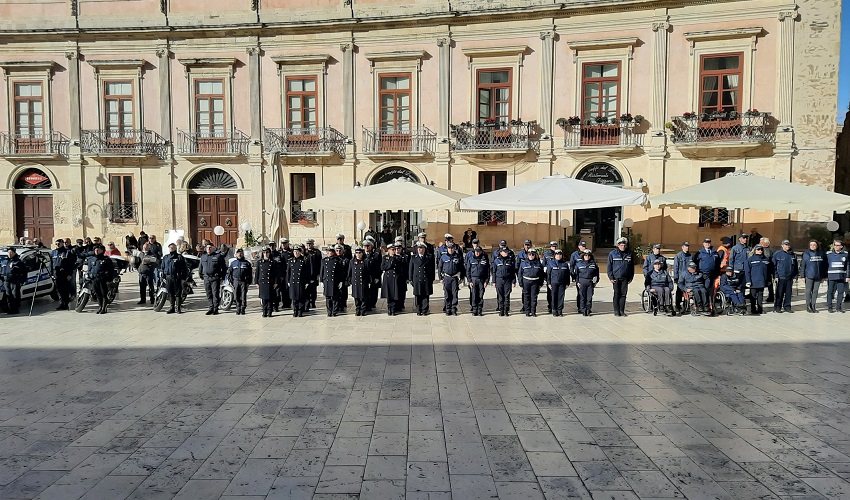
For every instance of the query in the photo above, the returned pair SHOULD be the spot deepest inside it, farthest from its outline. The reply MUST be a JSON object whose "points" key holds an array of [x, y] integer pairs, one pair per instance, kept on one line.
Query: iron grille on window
{"points": [[122, 212], [715, 217], [299, 215], [492, 217]]}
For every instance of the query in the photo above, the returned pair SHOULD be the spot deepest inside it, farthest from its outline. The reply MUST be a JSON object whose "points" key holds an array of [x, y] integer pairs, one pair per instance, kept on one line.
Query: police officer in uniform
{"points": [[421, 271], [148, 269], [837, 278], [738, 255], [575, 257], [498, 250], [14, 275], [586, 274], [451, 272], [785, 269], [359, 278], [557, 279], [314, 256], [621, 271], [212, 269], [64, 264], [346, 249], [298, 276], [758, 275], [477, 277], [522, 255], [650, 259], [504, 278], [339, 250], [429, 247], [285, 253], [403, 254], [549, 255], [391, 266], [813, 271], [530, 275], [239, 273], [266, 279], [174, 271], [101, 270], [680, 267], [373, 265], [708, 264], [332, 276]]}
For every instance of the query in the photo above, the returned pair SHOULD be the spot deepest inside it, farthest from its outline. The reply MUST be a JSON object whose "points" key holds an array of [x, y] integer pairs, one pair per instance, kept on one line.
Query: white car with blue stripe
{"points": [[36, 261]]}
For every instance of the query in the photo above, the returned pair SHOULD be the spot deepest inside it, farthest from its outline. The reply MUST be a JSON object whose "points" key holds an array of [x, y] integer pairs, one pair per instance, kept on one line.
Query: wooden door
{"points": [[211, 210], [34, 214]]}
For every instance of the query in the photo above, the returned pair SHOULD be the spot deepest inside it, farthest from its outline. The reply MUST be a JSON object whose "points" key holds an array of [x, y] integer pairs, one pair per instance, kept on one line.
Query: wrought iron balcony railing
{"points": [[519, 136], [419, 140], [691, 128], [52, 143], [124, 142], [305, 141], [602, 134], [122, 212], [300, 216], [493, 217], [196, 143]]}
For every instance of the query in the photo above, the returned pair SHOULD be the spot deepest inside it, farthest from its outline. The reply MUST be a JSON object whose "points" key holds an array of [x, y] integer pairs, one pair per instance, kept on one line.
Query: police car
{"points": [[36, 261]]}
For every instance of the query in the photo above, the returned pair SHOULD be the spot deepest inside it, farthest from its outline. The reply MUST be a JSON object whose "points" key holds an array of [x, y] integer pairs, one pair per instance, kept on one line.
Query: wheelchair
{"points": [[649, 301]]}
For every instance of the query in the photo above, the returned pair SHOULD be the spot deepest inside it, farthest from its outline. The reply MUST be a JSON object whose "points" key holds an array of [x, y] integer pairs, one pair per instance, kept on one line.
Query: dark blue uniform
{"points": [[586, 273], [694, 283], [785, 268], [332, 276], [503, 273], [240, 273], [393, 282], [101, 270], [732, 286], [530, 276], [659, 280], [174, 271], [212, 269], [813, 271], [373, 264], [708, 264], [621, 271], [451, 271], [314, 256], [421, 271], [558, 279], [680, 267], [14, 276], [836, 264], [298, 276], [478, 276], [649, 261], [758, 276], [64, 264], [358, 277]]}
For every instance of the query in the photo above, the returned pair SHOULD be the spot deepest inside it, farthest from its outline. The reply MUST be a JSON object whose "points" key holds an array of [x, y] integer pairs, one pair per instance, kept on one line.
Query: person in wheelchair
{"points": [[660, 284], [732, 287], [695, 287]]}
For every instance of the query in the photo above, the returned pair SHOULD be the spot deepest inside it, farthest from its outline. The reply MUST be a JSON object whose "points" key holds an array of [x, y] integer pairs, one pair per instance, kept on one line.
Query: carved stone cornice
{"points": [[162, 52], [546, 34], [252, 51], [345, 47], [788, 14], [661, 26]]}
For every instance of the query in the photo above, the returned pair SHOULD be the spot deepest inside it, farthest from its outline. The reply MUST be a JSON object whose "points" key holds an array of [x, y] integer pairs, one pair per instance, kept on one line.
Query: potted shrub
{"points": [[574, 120], [626, 118], [601, 120], [639, 119]]}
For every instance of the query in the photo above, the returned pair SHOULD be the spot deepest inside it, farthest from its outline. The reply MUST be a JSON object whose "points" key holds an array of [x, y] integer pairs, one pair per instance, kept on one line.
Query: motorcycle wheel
{"points": [[82, 300], [160, 302], [226, 300]]}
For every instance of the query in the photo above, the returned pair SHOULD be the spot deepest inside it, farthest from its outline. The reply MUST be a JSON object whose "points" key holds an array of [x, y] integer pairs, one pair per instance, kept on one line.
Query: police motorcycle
{"points": [[39, 280], [87, 292], [188, 288], [226, 293]]}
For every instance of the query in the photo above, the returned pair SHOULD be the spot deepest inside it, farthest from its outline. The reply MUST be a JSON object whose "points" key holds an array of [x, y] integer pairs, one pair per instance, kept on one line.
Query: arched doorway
{"points": [[391, 223], [211, 205], [34, 206], [602, 222]]}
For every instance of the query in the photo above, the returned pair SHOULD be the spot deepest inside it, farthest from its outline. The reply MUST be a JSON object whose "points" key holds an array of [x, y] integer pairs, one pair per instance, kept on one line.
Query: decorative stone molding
{"points": [[162, 52], [396, 55], [252, 51], [208, 62], [345, 47], [104, 64], [31, 66], [600, 44], [661, 26], [546, 34], [320, 61], [725, 34], [443, 41], [788, 14], [479, 52]]}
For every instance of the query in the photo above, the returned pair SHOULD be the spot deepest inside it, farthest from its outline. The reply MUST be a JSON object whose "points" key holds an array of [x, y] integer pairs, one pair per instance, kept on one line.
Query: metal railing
{"points": [[717, 127], [52, 143], [195, 143], [493, 217], [130, 142], [602, 134], [297, 215], [419, 140], [305, 141], [494, 135], [122, 212]]}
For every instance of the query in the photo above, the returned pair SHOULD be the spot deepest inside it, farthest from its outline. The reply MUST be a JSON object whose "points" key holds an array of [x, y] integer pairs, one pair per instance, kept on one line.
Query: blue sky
{"points": [[844, 64]]}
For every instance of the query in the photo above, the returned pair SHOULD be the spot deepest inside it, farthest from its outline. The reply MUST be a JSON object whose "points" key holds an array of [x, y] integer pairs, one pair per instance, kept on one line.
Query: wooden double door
{"points": [[34, 216], [211, 210]]}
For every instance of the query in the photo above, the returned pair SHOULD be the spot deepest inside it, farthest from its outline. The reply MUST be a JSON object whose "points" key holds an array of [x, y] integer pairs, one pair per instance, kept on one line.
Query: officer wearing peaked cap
{"points": [[403, 256], [497, 250], [530, 276], [346, 249], [314, 256], [298, 275], [621, 271], [332, 277], [451, 272], [342, 304], [522, 256], [360, 279], [394, 281], [478, 277], [429, 248], [239, 273], [574, 259], [421, 272], [373, 265], [266, 279], [547, 258], [504, 278]]}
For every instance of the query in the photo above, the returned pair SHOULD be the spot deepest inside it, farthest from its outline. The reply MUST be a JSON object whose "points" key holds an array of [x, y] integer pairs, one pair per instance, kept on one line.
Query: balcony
{"points": [[122, 212], [321, 141], [493, 217], [598, 136], [733, 130], [495, 137], [205, 145], [124, 142], [37, 145], [299, 216], [407, 143]]}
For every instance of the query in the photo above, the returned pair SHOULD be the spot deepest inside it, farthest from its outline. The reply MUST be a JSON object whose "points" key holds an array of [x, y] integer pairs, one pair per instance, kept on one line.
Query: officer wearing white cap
{"points": [[360, 280], [429, 248], [451, 272], [372, 256], [346, 249], [621, 271], [680, 267], [575, 258], [314, 256], [548, 256], [785, 268], [342, 303], [421, 271], [298, 275]]}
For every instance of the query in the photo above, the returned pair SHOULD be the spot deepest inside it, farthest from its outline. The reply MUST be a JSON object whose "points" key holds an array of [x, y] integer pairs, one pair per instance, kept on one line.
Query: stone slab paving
{"points": [[141, 405]]}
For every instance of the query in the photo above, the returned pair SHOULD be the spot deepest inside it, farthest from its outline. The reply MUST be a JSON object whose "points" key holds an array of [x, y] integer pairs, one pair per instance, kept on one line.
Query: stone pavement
{"points": [[141, 405]]}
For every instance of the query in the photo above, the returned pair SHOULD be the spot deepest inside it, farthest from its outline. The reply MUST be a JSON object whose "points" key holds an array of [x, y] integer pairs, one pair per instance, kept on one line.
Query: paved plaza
{"points": [[142, 405]]}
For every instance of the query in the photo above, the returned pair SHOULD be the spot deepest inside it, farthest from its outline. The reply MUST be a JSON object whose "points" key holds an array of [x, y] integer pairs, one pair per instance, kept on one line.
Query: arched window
{"points": [[601, 173], [391, 173], [212, 178]]}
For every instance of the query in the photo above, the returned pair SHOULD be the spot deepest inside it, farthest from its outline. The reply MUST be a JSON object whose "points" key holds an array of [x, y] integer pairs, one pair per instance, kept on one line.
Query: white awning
{"points": [[397, 194]]}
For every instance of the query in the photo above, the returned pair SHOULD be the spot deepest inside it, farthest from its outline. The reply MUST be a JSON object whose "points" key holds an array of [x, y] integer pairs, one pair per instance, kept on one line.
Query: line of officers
{"points": [[288, 276]]}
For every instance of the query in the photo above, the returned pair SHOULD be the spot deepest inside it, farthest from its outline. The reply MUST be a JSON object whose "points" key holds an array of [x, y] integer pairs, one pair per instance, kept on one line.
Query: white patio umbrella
{"points": [[744, 190], [554, 192], [397, 194], [275, 215]]}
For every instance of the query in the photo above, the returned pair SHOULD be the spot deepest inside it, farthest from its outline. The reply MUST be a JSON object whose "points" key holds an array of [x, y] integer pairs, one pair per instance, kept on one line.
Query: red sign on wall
{"points": [[33, 178]]}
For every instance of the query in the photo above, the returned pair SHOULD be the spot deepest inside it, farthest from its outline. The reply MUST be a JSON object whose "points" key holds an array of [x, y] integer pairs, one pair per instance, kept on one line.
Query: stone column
{"points": [[785, 66], [348, 88], [75, 162], [73, 57], [660, 37], [547, 68], [444, 86], [254, 92], [164, 67]]}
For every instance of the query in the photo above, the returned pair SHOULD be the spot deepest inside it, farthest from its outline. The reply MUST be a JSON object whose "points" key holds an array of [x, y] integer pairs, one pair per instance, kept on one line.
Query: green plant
{"points": [[639, 119], [572, 243], [561, 122], [668, 125], [250, 240]]}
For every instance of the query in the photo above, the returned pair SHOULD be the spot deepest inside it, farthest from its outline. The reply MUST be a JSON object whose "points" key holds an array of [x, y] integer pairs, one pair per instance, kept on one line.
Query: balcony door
{"points": [[720, 96], [394, 98], [29, 118], [119, 118], [210, 117], [600, 104], [34, 206], [302, 114]]}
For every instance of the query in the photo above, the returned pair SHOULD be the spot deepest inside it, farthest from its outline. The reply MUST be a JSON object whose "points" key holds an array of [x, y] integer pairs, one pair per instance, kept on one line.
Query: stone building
{"points": [[154, 114]]}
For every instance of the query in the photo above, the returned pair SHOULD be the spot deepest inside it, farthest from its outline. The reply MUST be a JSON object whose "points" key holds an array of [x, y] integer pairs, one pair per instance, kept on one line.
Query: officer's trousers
{"points": [[240, 293], [175, 291], [312, 293], [63, 288], [585, 296], [700, 296], [833, 287], [342, 299], [812, 289], [663, 294], [422, 303], [451, 286], [476, 294], [13, 297], [549, 306], [101, 288], [374, 290], [680, 295], [213, 288], [621, 287], [757, 300], [331, 303], [556, 301], [503, 294], [736, 298], [283, 295], [147, 287], [530, 290], [783, 295]]}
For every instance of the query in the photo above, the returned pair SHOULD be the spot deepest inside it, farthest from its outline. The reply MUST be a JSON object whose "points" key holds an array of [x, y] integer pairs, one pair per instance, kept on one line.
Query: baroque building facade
{"points": [[124, 115]]}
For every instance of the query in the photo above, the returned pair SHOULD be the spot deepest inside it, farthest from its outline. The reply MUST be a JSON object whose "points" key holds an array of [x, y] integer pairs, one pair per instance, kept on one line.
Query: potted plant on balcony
{"points": [[574, 120], [561, 122], [689, 115], [626, 118], [639, 119], [601, 120], [752, 112]]}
